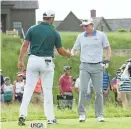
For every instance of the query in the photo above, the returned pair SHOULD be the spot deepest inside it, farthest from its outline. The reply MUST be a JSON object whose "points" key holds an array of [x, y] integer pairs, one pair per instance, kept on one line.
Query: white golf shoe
{"points": [[82, 118], [52, 121], [100, 119]]}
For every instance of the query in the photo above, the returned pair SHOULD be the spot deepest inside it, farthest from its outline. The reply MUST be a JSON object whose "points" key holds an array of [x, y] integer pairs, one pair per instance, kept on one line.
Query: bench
{"points": [[12, 32]]}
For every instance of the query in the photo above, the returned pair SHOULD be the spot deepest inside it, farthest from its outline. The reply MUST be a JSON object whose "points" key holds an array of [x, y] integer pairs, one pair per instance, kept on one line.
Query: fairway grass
{"points": [[91, 123]]}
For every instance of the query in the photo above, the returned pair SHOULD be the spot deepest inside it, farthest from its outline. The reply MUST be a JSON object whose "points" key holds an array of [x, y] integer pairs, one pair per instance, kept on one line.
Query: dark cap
{"points": [[67, 67]]}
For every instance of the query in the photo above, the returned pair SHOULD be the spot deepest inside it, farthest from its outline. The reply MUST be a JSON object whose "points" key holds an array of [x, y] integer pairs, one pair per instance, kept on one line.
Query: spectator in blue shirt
{"points": [[106, 84]]}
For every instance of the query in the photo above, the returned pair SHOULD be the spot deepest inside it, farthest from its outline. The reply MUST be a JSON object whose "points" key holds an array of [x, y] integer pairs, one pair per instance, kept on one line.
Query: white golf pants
{"points": [[37, 67]]}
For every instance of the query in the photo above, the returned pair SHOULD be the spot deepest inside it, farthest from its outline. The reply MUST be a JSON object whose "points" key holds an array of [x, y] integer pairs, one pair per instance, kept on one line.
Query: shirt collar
{"points": [[93, 34], [44, 23]]}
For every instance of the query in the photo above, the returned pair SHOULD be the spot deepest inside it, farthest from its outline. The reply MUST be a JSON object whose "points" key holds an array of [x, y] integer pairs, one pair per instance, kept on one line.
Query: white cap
{"points": [[87, 22], [0, 70], [19, 74], [49, 13]]}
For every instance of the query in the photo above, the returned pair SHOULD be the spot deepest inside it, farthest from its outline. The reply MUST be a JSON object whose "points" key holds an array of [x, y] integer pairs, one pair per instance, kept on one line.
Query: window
{"points": [[17, 25]]}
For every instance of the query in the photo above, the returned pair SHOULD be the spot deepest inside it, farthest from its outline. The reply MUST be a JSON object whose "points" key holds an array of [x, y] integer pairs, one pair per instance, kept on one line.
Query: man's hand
{"points": [[73, 52], [64, 52], [62, 93], [68, 53], [21, 65], [105, 92]]}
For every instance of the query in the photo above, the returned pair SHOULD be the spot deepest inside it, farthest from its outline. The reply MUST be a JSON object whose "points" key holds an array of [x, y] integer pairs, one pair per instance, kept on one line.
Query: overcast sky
{"points": [[81, 8]]}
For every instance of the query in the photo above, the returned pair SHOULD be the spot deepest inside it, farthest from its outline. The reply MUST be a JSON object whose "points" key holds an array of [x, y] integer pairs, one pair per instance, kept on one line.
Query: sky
{"points": [[81, 8]]}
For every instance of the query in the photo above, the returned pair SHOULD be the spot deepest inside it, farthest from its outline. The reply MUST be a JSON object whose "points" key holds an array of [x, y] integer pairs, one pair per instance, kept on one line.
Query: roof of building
{"points": [[119, 23], [21, 4], [96, 21], [70, 23]]}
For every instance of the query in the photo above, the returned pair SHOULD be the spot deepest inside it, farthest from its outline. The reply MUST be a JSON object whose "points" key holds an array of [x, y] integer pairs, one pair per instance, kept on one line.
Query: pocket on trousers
{"points": [[50, 65]]}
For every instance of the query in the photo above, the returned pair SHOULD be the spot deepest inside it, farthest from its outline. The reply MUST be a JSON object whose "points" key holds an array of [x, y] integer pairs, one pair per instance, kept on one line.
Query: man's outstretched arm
{"points": [[63, 52], [23, 50]]}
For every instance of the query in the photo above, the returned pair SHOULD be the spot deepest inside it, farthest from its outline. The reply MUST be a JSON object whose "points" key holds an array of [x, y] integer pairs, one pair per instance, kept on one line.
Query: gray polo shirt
{"points": [[91, 47]]}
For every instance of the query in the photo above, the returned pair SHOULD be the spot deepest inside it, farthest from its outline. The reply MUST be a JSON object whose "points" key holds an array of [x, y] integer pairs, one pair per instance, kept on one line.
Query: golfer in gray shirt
{"points": [[90, 44]]}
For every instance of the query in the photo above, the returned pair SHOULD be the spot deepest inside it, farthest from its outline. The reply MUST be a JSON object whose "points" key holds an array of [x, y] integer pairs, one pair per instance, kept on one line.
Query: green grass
{"points": [[91, 123], [10, 47], [11, 112]]}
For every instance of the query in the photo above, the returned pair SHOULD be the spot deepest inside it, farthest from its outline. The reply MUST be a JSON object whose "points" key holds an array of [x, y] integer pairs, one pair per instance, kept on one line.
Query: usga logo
{"points": [[36, 125]]}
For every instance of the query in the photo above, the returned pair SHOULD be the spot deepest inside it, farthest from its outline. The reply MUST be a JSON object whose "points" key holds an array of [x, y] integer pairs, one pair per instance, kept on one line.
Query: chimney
{"points": [[93, 13]]}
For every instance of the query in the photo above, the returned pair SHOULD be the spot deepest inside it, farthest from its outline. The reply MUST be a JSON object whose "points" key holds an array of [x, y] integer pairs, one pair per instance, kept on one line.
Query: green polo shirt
{"points": [[43, 38]]}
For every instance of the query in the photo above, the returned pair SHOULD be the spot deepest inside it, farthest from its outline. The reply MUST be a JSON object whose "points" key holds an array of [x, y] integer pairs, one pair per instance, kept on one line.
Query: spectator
{"points": [[106, 84], [18, 87], [77, 86], [37, 97], [7, 86], [65, 85], [115, 85], [1, 86], [7, 90], [125, 87], [24, 74]]}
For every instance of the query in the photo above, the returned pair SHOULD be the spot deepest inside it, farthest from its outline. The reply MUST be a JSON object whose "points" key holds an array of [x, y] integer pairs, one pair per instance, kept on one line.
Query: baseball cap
{"points": [[0, 70], [87, 22], [129, 60], [49, 13], [19, 74], [67, 67], [7, 78]]}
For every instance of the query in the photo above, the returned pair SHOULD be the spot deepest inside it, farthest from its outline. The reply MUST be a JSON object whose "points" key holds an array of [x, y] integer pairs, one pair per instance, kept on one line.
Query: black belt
{"points": [[47, 60], [94, 63]]}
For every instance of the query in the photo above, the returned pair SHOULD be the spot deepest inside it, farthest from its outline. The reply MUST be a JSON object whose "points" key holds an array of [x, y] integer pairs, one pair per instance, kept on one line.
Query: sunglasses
{"points": [[85, 26], [7, 79]]}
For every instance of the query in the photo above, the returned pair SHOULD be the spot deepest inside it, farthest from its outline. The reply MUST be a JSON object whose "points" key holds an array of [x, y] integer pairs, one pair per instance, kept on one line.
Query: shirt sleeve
{"points": [[60, 83], [77, 45], [105, 41], [58, 43], [28, 35]]}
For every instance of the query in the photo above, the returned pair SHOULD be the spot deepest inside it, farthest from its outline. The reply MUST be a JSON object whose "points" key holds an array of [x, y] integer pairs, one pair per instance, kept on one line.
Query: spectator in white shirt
{"points": [[18, 88], [77, 86]]}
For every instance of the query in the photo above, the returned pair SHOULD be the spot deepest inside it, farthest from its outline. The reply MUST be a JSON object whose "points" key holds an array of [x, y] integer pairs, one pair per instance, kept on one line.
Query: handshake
{"points": [[71, 53]]}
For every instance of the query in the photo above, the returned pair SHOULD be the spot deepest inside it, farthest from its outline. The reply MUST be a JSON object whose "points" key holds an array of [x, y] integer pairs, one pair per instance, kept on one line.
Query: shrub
{"points": [[122, 30]]}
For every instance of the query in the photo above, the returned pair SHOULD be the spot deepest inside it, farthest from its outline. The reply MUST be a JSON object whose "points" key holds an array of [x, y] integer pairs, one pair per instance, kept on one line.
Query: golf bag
{"points": [[64, 101]]}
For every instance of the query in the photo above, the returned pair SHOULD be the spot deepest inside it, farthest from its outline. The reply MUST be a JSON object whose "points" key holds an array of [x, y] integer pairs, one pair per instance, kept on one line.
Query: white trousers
{"points": [[37, 67]]}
